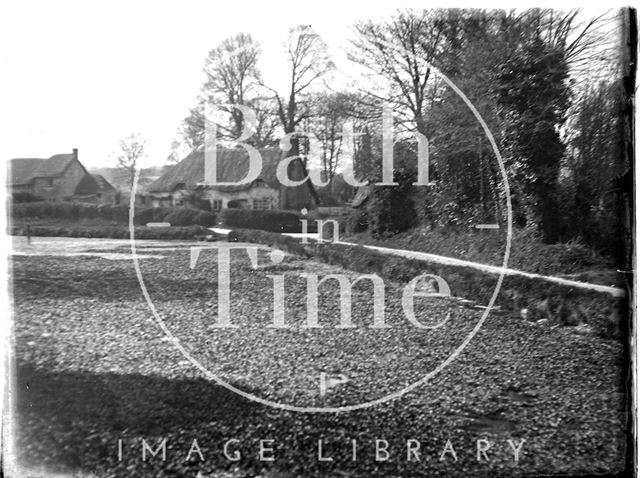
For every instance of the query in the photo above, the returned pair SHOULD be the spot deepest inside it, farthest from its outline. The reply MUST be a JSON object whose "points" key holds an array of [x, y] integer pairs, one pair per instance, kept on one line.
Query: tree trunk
{"points": [[298, 197], [550, 217]]}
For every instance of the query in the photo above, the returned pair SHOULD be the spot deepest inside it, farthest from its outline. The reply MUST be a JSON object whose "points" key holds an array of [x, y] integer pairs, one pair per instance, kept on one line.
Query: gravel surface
{"points": [[93, 367]]}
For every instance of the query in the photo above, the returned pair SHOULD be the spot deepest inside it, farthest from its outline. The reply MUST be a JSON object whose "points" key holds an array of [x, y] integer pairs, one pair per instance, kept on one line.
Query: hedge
{"points": [[561, 304], [114, 213], [190, 217], [357, 221], [68, 210], [266, 220], [25, 196], [112, 232], [143, 216]]}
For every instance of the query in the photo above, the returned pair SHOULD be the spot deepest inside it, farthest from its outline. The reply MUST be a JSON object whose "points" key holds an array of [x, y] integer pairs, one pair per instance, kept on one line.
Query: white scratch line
{"points": [[195, 253]]}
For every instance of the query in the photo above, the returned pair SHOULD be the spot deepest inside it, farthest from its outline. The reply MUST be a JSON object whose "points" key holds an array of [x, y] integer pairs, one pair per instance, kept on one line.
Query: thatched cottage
{"points": [[59, 178], [183, 184]]}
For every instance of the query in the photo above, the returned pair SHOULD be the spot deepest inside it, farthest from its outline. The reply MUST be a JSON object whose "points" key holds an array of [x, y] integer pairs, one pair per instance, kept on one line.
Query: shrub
{"points": [[190, 217], [143, 216], [159, 213], [118, 213], [172, 233], [204, 218], [358, 221], [527, 252], [268, 220], [87, 211], [24, 196], [390, 209], [110, 213], [30, 210], [63, 210], [113, 232]]}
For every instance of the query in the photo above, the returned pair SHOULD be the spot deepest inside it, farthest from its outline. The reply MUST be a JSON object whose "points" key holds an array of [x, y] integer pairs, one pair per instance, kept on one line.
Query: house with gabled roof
{"points": [[86, 191], [59, 178], [184, 183]]}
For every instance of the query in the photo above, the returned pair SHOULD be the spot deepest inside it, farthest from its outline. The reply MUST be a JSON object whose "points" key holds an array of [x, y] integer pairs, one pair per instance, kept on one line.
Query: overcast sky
{"points": [[86, 74]]}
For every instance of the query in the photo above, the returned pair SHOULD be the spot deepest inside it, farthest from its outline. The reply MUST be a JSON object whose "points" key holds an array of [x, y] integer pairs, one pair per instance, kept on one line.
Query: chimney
{"points": [[74, 151]]}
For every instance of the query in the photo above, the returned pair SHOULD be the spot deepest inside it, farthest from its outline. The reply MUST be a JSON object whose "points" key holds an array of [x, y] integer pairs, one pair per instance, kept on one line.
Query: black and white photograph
{"points": [[318, 239]]}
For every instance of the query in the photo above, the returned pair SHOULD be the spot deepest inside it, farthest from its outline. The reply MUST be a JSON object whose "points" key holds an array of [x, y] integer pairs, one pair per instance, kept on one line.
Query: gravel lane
{"points": [[94, 368]]}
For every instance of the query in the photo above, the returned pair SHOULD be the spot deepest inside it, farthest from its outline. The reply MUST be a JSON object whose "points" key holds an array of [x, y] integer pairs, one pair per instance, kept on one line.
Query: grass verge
{"points": [[535, 299], [527, 251]]}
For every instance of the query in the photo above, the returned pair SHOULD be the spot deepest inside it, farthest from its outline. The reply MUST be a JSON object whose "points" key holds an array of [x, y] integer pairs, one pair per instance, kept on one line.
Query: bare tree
{"points": [[402, 50], [589, 46], [232, 75], [193, 127], [309, 62], [174, 156], [331, 112], [131, 151], [266, 122]]}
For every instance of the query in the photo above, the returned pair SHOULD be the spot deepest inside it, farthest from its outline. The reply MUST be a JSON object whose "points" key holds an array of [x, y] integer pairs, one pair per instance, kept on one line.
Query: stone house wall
{"points": [[256, 197], [57, 188]]}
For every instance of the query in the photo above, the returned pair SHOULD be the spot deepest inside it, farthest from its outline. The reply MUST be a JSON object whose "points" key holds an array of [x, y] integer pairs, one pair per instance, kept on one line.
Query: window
{"points": [[262, 203], [216, 204]]}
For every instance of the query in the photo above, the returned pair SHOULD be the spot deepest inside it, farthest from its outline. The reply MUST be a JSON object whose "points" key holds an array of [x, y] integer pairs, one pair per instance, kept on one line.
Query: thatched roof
{"points": [[232, 166], [25, 170]]}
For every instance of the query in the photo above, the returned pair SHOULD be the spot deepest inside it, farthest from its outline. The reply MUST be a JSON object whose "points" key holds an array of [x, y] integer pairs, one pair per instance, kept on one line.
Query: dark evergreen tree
{"points": [[391, 209], [533, 95]]}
